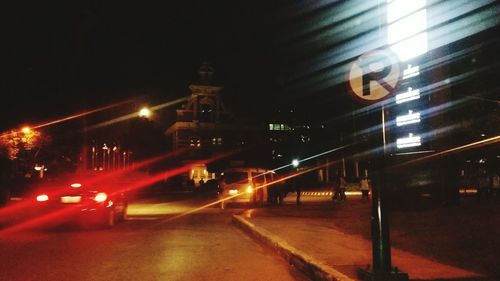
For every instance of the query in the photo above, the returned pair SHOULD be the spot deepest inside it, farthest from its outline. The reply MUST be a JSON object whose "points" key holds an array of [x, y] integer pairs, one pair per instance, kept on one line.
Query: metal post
{"points": [[381, 247]]}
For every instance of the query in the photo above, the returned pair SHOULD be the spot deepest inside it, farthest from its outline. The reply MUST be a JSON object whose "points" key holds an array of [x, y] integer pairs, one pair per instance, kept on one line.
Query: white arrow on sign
{"points": [[374, 76]]}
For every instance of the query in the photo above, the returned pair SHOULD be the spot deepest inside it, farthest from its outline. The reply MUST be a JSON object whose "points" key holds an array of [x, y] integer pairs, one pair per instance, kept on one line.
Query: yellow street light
{"points": [[26, 130], [145, 112]]}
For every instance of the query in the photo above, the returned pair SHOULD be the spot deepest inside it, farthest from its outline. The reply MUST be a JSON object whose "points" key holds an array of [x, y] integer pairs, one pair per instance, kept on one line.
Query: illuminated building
{"points": [[205, 128]]}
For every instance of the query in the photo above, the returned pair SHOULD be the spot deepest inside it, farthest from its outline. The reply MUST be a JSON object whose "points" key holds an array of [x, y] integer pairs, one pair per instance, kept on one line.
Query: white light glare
{"points": [[412, 47], [399, 8], [410, 118], [408, 96], [406, 32], [410, 141], [407, 27]]}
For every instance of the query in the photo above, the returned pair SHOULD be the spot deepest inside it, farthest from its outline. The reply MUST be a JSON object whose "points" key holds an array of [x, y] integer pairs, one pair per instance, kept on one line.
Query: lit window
{"points": [[410, 141], [194, 142], [408, 96], [407, 119], [304, 138], [411, 71], [279, 127]]}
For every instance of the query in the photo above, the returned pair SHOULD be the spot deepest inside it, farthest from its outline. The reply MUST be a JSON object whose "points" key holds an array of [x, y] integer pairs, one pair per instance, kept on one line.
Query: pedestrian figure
{"points": [[343, 187], [335, 187], [297, 191], [338, 187], [495, 185], [482, 185], [221, 190], [365, 187], [277, 192]]}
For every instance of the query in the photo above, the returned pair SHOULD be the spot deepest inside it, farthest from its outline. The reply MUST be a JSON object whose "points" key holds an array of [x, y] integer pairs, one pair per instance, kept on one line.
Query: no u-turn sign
{"points": [[374, 76]]}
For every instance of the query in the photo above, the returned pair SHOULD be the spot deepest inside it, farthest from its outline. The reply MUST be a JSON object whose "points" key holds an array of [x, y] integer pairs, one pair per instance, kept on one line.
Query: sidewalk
{"points": [[308, 237]]}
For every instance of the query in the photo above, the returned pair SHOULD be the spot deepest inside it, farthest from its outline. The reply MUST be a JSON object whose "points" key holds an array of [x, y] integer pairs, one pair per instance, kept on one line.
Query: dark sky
{"points": [[64, 56]]}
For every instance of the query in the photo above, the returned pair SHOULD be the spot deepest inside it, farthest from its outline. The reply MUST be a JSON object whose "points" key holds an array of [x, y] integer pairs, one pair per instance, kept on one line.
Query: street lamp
{"points": [[145, 112], [26, 130], [295, 163]]}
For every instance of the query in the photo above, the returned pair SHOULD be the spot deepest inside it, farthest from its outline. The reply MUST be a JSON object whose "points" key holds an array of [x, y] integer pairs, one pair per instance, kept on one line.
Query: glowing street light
{"points": [[295, 163], [26, 130], [145, 112]]}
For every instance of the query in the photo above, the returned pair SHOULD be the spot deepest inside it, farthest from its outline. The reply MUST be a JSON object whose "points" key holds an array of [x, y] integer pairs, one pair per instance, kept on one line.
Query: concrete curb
{"points": [[312, 268]]}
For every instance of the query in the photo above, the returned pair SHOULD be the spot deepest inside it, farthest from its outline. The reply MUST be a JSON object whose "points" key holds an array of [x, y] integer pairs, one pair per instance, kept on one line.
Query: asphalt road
{"points": [[154, 244]]}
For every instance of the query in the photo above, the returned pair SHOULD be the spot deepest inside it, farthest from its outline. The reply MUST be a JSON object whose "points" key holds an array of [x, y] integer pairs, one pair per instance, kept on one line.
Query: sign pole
{"points": [[381, 248], [373, 77]]}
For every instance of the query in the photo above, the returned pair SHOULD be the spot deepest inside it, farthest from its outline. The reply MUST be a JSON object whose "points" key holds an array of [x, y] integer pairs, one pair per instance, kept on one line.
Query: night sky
{"points": [[62, 57]]}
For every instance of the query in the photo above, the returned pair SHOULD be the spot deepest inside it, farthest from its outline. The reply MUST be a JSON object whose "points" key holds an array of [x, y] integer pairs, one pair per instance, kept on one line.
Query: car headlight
{"points": [[42, 198], [233, 191], [100, 197]]}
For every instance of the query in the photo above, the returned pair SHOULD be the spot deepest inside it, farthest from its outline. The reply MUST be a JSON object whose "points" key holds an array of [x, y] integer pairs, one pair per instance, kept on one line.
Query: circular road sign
{"points": [[374, 76]]}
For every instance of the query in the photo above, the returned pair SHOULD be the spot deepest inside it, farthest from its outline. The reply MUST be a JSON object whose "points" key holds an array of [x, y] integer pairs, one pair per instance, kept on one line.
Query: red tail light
{"points": [[100, 197], [42, 198]]}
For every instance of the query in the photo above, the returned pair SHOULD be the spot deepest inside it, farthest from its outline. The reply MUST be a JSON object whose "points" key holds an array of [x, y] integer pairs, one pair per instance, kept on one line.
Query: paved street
{"points": [[149, 246]]}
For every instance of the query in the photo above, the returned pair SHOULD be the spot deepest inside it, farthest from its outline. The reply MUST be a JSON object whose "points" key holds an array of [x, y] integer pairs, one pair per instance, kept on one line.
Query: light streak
{"points": [[281, 179], [134, 115], [480, 143], [71, 117], [89, 180], [311, 157], [227, 198], [82, 114], [71, 210]]}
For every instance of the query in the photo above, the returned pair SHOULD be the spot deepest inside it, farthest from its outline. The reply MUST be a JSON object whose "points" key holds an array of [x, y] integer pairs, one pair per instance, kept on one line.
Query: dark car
{"points": [[210, 188], [53, 203]]}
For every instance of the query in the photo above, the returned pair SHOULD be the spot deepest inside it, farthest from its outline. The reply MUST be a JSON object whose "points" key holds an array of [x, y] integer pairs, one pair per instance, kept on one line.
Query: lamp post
{"points": [[104, 156], [295, 164]]}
